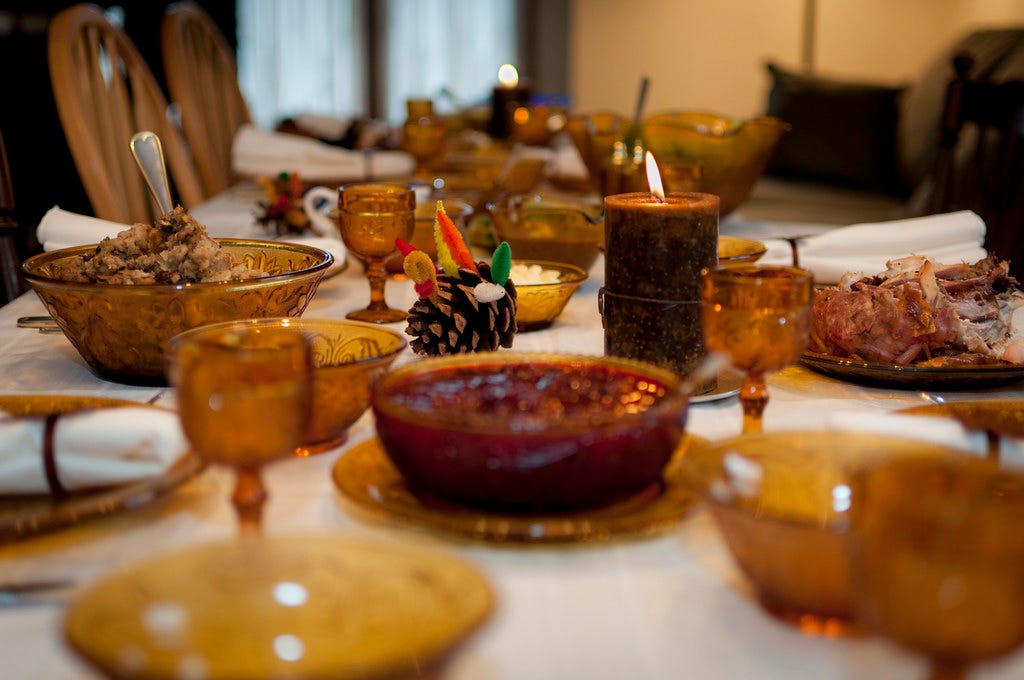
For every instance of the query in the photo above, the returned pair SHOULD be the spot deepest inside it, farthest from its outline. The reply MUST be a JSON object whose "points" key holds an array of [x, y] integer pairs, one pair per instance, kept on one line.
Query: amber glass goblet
{"points": [[760, 316], [938, 560], [372, 215], [244, 396], [423, 134]]}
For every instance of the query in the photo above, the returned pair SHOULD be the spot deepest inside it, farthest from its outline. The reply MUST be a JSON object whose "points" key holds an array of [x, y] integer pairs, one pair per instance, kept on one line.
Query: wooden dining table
{"points": [[671, 604]]}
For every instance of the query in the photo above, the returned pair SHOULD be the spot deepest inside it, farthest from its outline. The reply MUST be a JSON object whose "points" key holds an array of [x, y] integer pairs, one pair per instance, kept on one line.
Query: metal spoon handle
{"points": [[149, 155]]}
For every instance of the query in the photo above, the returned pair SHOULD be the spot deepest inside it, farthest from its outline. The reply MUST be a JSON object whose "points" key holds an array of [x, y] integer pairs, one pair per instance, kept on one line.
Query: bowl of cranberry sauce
{"points": [[529, 432]]}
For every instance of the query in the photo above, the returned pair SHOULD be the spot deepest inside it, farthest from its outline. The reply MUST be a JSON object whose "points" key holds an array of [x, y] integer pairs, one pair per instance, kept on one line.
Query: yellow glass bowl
{"points": [[538, 228], [122, 330], [539, 304], [733, 153], [733, 250], [783, 504], [348, 358]]}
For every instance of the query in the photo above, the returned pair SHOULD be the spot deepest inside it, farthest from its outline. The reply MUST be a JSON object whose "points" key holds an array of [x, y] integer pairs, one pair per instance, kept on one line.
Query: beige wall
{"points": [[710, 54]]}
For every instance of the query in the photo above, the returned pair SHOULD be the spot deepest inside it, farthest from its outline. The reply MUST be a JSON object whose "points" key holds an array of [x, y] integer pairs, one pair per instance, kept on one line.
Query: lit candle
{"points": [[655, 248], [509, 94], [656, 244]]}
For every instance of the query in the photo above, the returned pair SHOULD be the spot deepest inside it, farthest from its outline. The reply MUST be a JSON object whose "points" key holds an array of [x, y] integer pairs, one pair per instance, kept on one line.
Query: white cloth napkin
{"points": [[324, 127], [948, 238], [942, 431], [62, 229], [259, 152], [92, 448]]}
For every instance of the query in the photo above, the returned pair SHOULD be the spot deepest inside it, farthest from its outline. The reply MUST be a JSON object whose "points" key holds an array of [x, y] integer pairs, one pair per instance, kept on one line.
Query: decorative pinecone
{"points": [[459, 322]]}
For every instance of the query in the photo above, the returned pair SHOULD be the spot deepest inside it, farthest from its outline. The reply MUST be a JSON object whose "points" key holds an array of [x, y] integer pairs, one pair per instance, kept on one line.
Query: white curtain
{"points": [[309, 56], [446, 45], [301, 56]]}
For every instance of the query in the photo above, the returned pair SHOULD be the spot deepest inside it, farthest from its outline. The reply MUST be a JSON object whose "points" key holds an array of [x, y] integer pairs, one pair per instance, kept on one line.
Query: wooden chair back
{"points": [[11, 284], [203, 80], [980, 164], [105, 93]]}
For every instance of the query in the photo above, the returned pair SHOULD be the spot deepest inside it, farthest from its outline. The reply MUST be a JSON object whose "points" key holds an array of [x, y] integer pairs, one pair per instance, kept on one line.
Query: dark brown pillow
{"points": [[842, 131]]}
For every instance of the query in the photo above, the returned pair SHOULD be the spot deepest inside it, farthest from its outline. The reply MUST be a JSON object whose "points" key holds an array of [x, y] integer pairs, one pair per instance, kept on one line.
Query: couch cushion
{"points": [[842, 131]]}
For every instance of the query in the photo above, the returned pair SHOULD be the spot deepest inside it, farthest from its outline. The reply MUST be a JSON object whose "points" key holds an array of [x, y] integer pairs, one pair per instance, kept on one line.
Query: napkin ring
{"points": [[50, 457]]}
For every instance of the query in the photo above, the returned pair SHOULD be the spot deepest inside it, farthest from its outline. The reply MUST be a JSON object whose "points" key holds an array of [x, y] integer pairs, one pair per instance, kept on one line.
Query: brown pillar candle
{"points": [[656, 249], [654, 252]]}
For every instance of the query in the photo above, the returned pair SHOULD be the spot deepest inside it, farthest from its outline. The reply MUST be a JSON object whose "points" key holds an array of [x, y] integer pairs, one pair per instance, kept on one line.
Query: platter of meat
{"points": [[921, 324]]}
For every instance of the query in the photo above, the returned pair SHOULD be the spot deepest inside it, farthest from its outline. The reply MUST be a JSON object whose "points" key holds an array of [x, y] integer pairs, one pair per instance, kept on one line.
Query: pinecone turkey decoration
{"points": [[464, 307]]}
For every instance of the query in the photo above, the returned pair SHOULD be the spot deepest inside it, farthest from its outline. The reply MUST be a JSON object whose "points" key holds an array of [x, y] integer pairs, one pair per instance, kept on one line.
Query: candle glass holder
{"points": [[372, 215], [938, 558], [760, 316], [244, 395]]}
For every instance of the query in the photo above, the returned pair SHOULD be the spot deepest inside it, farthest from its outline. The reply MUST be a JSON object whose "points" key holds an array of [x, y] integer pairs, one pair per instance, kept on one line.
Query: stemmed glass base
{"points": [[249, 498], [377, 311], [753, 399]]}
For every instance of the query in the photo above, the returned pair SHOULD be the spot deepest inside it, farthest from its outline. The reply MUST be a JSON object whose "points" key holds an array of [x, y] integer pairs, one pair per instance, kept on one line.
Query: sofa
{"points": [[861, 151]]}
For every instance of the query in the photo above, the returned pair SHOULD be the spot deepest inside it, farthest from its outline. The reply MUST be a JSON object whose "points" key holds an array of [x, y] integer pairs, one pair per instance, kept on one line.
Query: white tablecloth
{"points": [[670, 606]]}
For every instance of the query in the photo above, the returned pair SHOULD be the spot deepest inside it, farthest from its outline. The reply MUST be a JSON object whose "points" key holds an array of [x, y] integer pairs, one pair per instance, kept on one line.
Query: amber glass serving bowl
{"points": [[348, 357], [783, 504], [529, 432], [733, 250], [122, 330], [733, 153], [542, 228], [539, 304]]}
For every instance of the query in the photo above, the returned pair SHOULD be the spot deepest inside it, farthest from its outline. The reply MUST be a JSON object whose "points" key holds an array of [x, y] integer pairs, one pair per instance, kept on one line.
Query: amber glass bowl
{"points": [[348, 357], [122, 330], [529, 432], [539, 304], [733, 153], [733, 250], [540, 228], [783, 504]]}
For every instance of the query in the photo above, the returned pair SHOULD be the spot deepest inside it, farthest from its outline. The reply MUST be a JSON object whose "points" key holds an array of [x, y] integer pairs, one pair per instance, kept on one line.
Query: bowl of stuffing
{"points": [[542, 291], [529, 432], [121, 300]]}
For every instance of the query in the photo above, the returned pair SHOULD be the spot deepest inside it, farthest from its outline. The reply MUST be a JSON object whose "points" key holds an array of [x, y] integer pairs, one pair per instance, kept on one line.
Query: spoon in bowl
{"points": [[149, 155]]}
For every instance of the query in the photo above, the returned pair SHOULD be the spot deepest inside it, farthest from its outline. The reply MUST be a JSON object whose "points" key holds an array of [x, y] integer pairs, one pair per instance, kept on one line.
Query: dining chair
{"points": [[11, 284], [105, 93], [203, 80], [980, 163]]}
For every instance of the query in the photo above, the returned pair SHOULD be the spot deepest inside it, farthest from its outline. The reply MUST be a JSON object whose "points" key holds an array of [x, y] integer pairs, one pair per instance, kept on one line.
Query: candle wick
{"points": [[658, 197]]}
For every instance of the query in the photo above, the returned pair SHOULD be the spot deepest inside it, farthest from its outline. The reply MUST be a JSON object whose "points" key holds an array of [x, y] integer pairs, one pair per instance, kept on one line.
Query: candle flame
{"points": [[654, 178], [508, 76]]}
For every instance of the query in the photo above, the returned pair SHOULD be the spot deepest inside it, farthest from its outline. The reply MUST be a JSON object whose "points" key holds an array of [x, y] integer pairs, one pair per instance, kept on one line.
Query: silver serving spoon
{"points": [[149, 154]]}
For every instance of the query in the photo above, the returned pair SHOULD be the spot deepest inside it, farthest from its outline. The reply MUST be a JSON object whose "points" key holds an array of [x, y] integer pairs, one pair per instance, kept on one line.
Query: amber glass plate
{"points": [[913, 377], [27, 515], [301, 606], [366, 477]]}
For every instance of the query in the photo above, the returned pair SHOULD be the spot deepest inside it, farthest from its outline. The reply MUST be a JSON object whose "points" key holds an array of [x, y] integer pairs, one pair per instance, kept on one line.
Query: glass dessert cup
{"points": [[783, 504], [538, 304], [760, 317], [423, 134], [371, 216], [244, 396], [939, 559], [529, 432]]}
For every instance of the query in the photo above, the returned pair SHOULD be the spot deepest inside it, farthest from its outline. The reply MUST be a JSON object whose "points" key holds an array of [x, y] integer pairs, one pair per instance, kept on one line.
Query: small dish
{"points": [[733, 250], [539, 304], [366, 478], [540, 228]]}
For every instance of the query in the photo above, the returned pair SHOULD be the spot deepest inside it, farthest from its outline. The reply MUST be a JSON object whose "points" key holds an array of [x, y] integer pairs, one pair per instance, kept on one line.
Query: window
{"points": [[322, 56]]}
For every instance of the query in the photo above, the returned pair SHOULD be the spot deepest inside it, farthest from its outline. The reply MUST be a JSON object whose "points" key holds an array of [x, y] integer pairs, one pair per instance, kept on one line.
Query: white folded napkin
{"points": [[948, 238], [324, 127], [941, 431], [62, 229], [91, 448], [259, 152]]}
